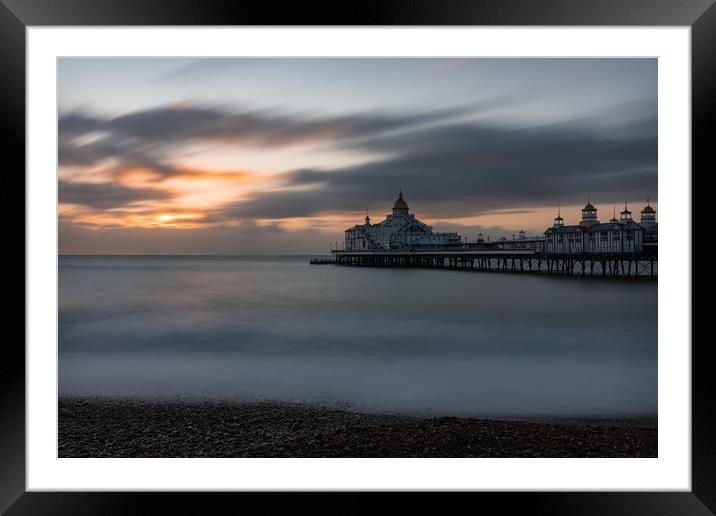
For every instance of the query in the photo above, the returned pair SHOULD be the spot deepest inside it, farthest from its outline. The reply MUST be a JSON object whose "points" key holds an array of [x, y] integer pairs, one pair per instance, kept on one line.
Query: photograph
{"points": [[407, 248], [353, 257]]}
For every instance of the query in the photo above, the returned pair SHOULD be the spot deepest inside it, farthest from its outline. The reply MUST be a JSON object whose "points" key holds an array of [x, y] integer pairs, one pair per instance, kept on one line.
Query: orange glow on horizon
{"points": [[126, 220]]}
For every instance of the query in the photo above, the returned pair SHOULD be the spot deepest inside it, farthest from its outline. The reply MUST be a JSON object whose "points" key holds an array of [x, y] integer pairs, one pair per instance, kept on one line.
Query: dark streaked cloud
{"points": [[103, 196], [174, 125], [461, 170], [148, 139], [452, 169]]}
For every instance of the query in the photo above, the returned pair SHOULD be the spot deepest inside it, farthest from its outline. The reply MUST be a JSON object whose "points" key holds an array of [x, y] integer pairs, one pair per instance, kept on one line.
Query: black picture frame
{"points": [[17, 15]]}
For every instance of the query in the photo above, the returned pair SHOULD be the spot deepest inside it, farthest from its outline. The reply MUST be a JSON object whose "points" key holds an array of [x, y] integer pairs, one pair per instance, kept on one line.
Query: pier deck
{"points": [[641, 265]]}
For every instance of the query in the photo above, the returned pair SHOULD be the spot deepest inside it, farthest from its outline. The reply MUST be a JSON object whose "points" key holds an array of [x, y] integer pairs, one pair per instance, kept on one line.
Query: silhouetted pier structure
{"points": [[322, 261], [638, 265]]}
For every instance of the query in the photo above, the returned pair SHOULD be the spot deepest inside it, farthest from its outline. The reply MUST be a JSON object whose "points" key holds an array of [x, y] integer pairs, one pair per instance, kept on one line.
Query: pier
{"points": [[620, 248], [636, 265], [322, 261]]}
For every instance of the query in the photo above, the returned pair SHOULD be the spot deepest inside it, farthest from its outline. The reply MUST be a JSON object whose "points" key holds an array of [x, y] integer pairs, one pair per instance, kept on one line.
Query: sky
{"points": [[281, 155]]}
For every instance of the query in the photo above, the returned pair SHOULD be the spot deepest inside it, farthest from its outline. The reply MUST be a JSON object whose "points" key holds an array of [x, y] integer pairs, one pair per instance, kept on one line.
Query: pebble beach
{"points": [[108, 427]]}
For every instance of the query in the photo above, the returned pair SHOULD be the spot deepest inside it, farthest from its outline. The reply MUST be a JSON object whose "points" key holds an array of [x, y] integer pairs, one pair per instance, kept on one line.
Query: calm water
{"points": [[387, 340]]}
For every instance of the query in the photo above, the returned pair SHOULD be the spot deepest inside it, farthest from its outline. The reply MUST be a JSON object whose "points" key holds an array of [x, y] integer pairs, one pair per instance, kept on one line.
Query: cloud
{"points": [[460, 170], [106, 196], [178, 124], [149, 139], [449, 169]]}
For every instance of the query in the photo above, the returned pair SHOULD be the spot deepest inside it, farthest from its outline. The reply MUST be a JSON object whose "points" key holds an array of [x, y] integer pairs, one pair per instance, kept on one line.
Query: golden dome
{"points": [[648, 209], [589, 207], [400, 203]]}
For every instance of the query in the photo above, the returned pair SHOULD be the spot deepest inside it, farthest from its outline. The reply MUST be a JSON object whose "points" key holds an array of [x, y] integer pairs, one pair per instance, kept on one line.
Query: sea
{"points": [[381, 340]]}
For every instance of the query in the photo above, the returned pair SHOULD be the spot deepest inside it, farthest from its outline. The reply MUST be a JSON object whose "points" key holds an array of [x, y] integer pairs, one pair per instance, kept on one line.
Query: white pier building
{"points": [[399, 231], [623, 235]]}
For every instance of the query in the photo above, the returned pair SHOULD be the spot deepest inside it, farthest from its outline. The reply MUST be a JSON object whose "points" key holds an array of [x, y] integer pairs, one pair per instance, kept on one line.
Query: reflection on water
{"points": [[405, 340]]}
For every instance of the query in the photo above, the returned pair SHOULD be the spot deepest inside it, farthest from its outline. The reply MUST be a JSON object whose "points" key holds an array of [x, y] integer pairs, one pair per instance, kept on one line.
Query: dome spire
{"points": [[648, 208], [589, 206], [648, 214], [400, 207], [589, 214], [558, 220], [626, 208], [626, 214]]}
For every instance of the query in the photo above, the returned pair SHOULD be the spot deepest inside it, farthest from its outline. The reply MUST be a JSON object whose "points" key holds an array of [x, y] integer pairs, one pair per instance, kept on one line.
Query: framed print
{"points": [[411, 249]]}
